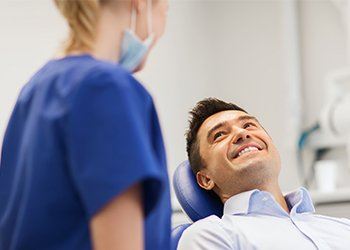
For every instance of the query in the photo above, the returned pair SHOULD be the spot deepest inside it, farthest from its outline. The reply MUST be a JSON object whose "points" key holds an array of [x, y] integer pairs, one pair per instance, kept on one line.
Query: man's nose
{"points": [[240, 136]]}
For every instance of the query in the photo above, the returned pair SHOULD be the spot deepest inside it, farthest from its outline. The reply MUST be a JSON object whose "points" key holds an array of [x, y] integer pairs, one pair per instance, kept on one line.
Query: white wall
{"points": [[323, 50], [235, 50]]}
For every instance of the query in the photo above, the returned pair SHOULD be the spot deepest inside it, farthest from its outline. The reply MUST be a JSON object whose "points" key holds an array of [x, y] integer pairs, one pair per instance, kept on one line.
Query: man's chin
{"points": [[252, 163]]}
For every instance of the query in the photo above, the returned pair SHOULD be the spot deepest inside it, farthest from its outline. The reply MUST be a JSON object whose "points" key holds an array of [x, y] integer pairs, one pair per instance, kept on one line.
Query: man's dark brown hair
{"points": [[203, 110]]}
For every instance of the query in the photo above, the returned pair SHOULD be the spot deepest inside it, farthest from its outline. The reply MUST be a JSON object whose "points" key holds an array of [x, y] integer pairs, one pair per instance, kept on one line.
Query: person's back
{"points": [[57, 171]]}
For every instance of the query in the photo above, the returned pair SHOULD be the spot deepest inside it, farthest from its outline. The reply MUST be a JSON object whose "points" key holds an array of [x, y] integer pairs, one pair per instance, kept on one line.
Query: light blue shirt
{"points": [[254, 220]]}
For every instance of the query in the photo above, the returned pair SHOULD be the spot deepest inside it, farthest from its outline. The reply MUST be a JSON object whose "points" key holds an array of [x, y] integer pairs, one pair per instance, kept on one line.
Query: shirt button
{"points": [[264, 199]]}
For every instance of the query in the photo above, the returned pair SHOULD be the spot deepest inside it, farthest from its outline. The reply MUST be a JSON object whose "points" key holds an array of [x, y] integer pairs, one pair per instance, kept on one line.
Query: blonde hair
{"points": [[82, 17]]}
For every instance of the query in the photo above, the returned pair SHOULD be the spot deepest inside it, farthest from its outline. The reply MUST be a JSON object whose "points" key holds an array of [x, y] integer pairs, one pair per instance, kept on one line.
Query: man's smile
{"points": [[246, 149]]}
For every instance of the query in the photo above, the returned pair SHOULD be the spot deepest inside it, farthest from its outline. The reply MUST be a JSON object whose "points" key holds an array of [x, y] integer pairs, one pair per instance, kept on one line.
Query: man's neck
{"points": [[277, 194]]}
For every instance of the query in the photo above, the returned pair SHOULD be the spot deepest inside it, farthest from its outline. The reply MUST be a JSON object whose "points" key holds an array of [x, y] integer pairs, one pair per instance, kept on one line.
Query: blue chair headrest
{"points": [[195, 201]]}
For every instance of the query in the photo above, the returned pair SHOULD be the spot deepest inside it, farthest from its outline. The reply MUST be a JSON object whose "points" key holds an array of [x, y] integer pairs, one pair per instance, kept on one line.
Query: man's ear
{"points": [[204, 180]]}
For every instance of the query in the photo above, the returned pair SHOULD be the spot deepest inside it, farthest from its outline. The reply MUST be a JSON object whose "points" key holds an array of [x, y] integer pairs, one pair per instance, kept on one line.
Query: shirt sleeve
{"points": [[108, 143], [206, 234]]}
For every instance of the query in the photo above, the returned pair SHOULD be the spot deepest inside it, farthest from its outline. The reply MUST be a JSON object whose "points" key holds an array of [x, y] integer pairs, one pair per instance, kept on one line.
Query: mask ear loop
{"points": [[133, 17], [149, 17]]}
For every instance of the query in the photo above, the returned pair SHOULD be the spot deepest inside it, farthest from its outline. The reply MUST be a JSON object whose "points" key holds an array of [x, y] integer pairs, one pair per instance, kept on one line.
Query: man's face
{"points": [[237, 153]]}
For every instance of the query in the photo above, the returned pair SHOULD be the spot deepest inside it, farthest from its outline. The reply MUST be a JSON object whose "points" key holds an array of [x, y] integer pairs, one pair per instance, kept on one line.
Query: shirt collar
{"points": [[239, 203], [256, 201], [299, 201]]}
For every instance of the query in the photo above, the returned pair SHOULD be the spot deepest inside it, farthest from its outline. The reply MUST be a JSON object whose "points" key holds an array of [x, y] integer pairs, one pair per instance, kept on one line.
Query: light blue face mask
{"points": [[133, 50]]}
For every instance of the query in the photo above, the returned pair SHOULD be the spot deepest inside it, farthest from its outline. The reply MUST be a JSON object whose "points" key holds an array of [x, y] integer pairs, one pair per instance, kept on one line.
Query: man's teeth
{"points": [[248, 149]]}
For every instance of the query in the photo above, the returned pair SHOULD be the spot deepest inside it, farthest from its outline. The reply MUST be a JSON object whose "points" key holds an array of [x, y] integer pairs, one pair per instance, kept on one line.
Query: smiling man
{"points": [[232, 154]]}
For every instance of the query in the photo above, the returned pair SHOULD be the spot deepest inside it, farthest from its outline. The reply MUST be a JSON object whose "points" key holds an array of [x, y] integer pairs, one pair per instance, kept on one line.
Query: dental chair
{"points": [[195, 201]]}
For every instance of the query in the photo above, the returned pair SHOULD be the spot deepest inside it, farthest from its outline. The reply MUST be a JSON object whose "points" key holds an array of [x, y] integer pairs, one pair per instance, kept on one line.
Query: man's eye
{"points": [[218, 134], [249, 124]]}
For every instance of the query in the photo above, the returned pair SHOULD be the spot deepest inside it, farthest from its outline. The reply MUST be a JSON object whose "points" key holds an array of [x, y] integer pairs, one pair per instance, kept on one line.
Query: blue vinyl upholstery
{"points": [[196, 202], [176, 234]]}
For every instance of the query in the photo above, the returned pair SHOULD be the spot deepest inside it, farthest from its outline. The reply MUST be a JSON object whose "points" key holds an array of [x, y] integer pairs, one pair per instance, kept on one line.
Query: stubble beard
{"points": [[252, 175]]}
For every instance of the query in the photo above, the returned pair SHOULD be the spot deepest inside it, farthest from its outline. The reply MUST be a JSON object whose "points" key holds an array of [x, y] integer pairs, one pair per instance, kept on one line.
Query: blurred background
{"points": [[277, 59]]}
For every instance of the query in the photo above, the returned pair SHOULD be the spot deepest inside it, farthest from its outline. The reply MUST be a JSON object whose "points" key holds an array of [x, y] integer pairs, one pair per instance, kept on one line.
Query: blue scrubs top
{"points": [[82, 132]]}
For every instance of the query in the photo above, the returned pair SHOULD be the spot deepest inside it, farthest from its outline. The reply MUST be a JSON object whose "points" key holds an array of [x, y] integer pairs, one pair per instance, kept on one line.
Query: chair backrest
{"points": [[176, 234], [196, 202]]}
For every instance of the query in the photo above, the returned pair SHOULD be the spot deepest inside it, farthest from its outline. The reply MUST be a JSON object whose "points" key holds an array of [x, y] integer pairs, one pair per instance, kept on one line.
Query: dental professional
{"points": [[83, 163]]}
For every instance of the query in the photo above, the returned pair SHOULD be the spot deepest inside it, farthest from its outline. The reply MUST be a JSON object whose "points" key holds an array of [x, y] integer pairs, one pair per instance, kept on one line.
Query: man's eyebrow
{"points": [[247, 117], [219, 125]]}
